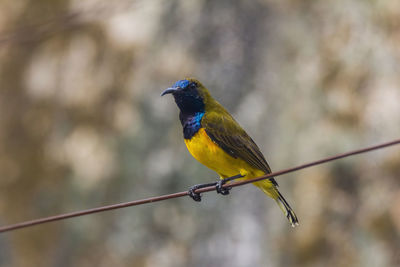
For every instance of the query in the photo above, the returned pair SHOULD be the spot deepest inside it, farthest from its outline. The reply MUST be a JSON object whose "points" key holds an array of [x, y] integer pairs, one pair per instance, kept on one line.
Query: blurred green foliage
{"points": [[82, 125]]}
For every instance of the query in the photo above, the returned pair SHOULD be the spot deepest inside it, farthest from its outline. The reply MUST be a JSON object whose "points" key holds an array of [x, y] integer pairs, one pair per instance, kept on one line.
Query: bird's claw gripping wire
{"points": [[218, 187], [195, 196], [192, 191]]}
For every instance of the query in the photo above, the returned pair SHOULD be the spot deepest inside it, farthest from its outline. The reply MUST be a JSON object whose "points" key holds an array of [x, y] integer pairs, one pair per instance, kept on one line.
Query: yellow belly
{"points": [[211, 155]]}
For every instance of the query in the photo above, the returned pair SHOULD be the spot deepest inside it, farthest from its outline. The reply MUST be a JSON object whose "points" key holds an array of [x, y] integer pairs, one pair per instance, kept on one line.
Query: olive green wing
{"points": [[223, 130]]}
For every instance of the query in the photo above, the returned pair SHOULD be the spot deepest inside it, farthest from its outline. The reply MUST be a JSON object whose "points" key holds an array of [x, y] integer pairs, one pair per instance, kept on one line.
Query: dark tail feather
{"points": [[273, 192], [287, 210]]}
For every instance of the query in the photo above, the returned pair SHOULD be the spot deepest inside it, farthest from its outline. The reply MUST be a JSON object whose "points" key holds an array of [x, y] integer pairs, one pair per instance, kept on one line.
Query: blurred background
{"points": [[82, 124]]}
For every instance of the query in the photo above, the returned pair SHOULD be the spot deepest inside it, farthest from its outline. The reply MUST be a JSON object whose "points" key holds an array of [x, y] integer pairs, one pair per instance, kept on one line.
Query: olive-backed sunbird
{"points": [[214, 138]]}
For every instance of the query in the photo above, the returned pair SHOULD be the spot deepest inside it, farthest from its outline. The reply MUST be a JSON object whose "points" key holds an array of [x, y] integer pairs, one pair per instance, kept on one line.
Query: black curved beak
{"points": [[169, 91]]}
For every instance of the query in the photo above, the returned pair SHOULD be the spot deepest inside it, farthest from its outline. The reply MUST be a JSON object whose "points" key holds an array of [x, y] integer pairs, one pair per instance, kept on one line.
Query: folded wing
{"points": [[223, 130]]}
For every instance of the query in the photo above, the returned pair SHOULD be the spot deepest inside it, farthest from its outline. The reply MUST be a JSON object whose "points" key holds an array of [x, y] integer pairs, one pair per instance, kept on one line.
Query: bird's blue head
{"points": [[188, 96]]}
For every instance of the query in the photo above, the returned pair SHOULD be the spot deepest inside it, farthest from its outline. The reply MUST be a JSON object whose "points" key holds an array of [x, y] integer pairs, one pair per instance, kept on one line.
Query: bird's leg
{"points": [[225, 190], [218, 187], [196, 196]]}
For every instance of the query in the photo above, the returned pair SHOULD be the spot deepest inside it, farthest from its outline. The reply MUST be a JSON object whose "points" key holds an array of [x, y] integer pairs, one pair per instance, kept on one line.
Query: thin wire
{"points": [[185, 193]]}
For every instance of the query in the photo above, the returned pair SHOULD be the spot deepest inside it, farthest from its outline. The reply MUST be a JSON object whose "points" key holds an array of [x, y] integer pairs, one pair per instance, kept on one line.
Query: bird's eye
{"points": [[193, 85]]}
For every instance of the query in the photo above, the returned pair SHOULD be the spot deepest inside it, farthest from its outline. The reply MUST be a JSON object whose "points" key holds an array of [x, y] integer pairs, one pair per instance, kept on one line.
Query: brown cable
{"points": [[185, 193]]}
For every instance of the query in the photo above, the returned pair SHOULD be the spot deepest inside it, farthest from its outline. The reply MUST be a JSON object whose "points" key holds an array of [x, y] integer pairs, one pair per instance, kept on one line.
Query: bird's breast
{"points": [[202, 147], [211, 155]]}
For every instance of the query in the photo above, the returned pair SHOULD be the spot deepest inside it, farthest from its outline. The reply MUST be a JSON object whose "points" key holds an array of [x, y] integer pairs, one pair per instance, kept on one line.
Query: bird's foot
{"points": [[196, 196], [222, 190], [218, 187], [225, 190]]}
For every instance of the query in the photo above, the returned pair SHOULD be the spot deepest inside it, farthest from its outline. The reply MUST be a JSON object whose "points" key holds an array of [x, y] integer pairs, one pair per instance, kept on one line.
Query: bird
{"points": [[215, 139]]}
